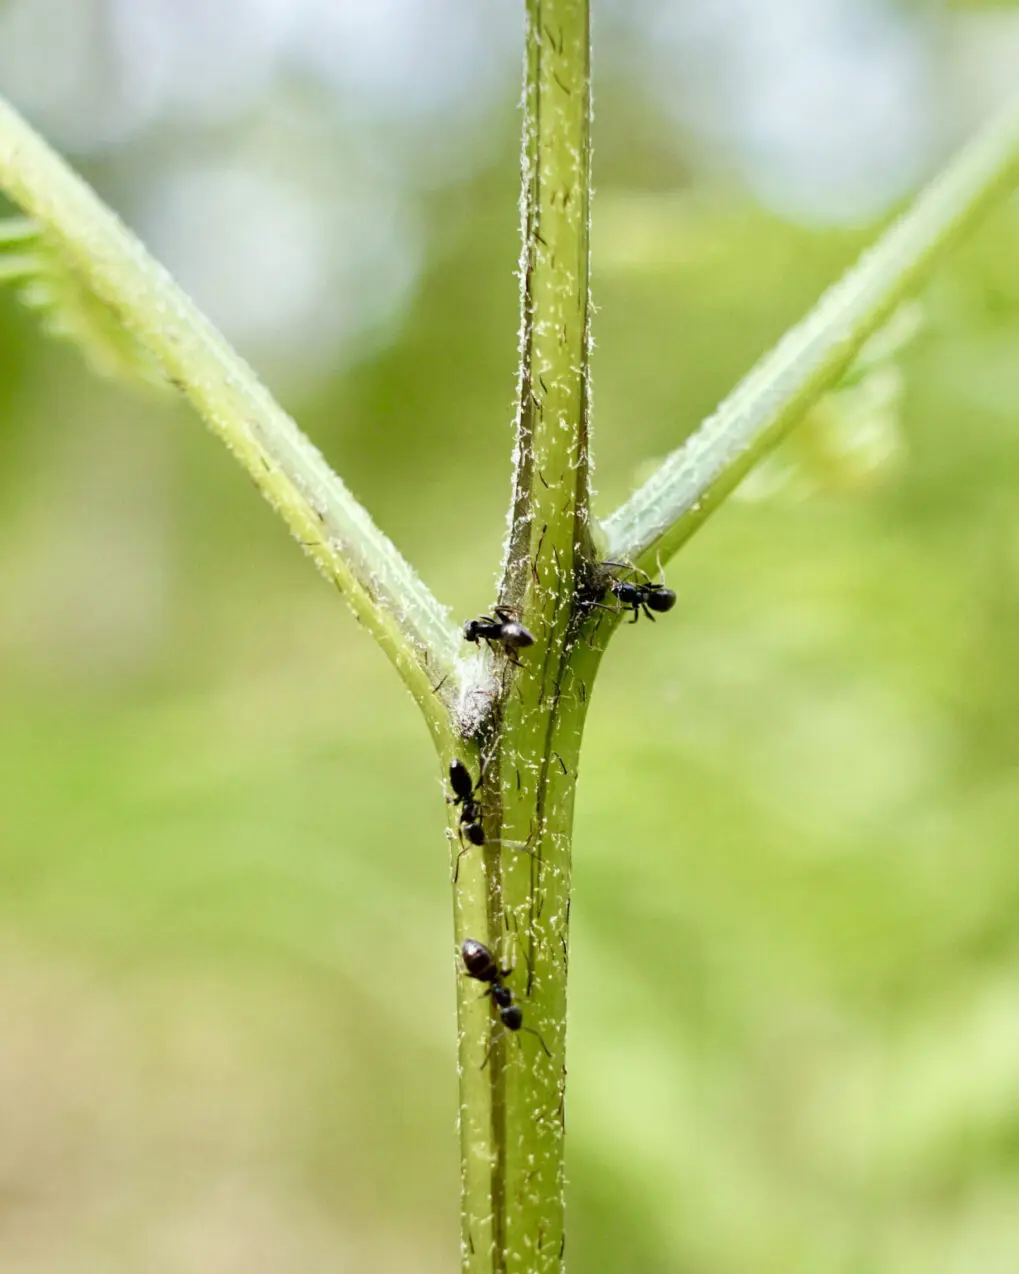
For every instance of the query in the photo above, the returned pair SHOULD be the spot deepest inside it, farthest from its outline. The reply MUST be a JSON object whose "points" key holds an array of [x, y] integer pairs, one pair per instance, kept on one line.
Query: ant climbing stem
{"points": [[630, 594], [471, 826], [481, 965], [504, 630], [646, 597], [464, 790]]}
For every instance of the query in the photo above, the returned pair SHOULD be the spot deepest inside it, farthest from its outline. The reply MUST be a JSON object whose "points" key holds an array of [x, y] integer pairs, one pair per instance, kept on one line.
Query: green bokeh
{"points": [[227, 977]]}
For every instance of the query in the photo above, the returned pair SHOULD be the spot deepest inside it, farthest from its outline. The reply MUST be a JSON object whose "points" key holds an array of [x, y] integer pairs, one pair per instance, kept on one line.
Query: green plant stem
{"points": [[515, 894], [693, 481], [381, 588], [518, 728]]}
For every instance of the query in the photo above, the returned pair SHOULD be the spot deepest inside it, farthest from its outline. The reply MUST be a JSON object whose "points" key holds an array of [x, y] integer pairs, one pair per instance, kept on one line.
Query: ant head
{"points": [[660, 599], [512, 1017], [475, 833], [471, 631]]}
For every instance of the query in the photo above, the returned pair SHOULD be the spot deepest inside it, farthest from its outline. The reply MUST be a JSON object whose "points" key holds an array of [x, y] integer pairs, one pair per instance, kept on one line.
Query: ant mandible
{"points": [[505, 630], [481, 965]]}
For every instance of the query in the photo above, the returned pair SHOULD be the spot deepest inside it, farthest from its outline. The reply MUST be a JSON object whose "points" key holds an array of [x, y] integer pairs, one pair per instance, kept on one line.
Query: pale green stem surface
{"points": [[514, 895], [381, 588], [693, 481]]}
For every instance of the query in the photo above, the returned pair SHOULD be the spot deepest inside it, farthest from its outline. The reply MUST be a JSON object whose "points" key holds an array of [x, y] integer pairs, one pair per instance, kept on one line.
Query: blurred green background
{"points": [[226, 967]]}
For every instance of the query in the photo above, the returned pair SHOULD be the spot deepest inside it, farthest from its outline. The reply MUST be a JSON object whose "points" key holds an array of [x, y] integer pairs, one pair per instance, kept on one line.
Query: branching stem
{"points": [[516, 728]]}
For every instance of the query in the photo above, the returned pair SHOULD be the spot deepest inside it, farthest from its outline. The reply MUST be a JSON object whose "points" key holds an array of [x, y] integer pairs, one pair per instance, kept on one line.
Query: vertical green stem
{"points": [[514, 894], [551, 489]]}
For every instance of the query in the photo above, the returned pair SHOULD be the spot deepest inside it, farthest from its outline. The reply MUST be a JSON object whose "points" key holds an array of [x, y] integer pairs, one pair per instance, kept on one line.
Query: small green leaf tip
{"points": [[67, 309]]}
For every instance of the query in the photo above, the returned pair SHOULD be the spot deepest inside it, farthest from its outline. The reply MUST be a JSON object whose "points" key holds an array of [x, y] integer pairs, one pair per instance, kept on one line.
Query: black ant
{"points": [[481, 964], [505, 630], [464, 789], [633, 595], [471, 813]]}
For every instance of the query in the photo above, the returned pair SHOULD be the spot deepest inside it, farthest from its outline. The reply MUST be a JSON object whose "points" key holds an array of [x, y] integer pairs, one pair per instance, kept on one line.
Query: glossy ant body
{"points": [[634, 595], [471, 828], [464, 789], [505, 631], [481, 965]]}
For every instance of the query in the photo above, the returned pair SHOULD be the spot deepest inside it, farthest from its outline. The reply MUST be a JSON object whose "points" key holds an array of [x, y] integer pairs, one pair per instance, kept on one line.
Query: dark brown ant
{"points": [[505, 631], [632, 595], [481, 965]]}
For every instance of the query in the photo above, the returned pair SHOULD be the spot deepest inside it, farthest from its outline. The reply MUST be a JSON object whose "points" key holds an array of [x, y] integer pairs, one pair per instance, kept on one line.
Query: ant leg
{"points": [[519, 847], [644, 608], [532, 1031], [464, 849], [636, 614], [629, 566], [520, 1043], [499, 1035]]}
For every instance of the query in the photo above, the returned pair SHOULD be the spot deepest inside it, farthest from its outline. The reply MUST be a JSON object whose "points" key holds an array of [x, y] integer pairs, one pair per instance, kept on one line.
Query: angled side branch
{"points": [[694, 480], [380, 586]]}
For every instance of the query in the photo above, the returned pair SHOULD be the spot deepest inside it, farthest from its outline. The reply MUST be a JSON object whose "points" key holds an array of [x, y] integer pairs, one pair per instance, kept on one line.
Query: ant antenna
{"points": [[502, 1034]]}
